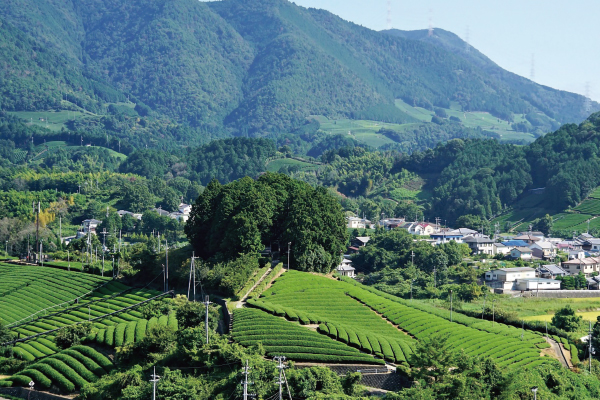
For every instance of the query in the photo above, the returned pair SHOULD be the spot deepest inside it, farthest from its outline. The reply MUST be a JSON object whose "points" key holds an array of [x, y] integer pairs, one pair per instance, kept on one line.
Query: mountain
{"points": [[243, 68]]}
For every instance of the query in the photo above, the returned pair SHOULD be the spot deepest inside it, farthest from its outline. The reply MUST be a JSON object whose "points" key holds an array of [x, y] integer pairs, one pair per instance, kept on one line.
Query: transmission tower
{"points": [[587, 105], [430, 33], [467, 40], [389, 14]]}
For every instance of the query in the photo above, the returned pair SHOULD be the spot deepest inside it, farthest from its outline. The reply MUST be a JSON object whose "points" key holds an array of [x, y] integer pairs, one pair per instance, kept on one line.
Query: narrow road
{"points": [[558, 350], [242, 301]]}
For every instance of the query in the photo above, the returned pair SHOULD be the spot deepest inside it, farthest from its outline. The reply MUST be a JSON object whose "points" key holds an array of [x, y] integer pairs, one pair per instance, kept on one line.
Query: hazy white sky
{"points": [[563, 37]]}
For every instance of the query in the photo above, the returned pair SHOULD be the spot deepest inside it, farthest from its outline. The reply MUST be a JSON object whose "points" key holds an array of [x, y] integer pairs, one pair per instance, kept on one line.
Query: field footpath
{"points": [[242, 302], [557, 351]]}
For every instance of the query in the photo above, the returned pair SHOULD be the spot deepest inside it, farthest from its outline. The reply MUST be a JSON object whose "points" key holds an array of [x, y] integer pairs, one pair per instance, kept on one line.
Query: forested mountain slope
{"points": [[247, 68]]}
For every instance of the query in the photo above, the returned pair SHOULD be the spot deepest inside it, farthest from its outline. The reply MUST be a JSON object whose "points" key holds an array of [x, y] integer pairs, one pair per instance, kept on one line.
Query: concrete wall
{"points": [[563, 294], [29, 394]]}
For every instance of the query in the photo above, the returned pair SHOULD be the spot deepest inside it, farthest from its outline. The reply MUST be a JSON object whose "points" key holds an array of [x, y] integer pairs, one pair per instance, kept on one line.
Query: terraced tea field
{"points": [[69, 298], [386, 326], [280, 337], [27, 290]]}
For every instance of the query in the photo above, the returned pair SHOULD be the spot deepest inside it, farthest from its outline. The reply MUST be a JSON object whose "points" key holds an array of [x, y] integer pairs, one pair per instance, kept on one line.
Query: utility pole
{"points": [[167, 266], [281, 367], [450, 305], [60, 231], [590, 346], [192, 271], [37, 224], [483, 309], [245, 383], [206, 303], [42, 251], [159, 242], [289, 245], [154, 380]]}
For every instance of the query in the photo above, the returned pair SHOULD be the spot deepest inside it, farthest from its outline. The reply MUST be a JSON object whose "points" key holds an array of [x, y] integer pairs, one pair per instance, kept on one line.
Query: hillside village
{"points": [[543, 263]]}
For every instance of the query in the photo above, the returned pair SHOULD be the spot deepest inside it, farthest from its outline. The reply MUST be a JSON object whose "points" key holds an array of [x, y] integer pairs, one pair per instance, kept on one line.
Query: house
{"points": [[529, 239], [500, 248], [537, 284], [391, 223], [586, 265], [544, 250], [161, 212], [446, 236], [360, 241], [90, 225], [521, 253], [480, 244], [346, 269], [357, 223], [122, 213], [592, 245], [551, 271], [515, 243], [578, 254], [537, 234], [465, 232], [506, 278], [593, 282]]}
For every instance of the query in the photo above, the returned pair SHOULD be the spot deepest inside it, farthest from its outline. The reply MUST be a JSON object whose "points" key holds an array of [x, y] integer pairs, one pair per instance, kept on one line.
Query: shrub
{"points": [[101, 359], [20, 380], [86, 361], [65, 370], [38, 378], [77, 367], [109, 336], [140, 329], [130, 332], [57, 378]]}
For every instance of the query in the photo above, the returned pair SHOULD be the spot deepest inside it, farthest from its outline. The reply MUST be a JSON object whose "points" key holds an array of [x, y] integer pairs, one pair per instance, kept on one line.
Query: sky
{"points": [[562, 38]]}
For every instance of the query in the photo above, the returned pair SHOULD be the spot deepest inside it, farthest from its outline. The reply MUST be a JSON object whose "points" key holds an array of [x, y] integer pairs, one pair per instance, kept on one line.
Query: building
{"points": [[360, 241], [480, 244], [521, 253], [529, 239], [592, 245], [500, 248], [346, 268], [544, 250], [537, 284], [587, 266], [515, 243], [446, 236], [551, 271], [357, 223], [506, 278], [122, 213], [90, 225], [391, 223]]}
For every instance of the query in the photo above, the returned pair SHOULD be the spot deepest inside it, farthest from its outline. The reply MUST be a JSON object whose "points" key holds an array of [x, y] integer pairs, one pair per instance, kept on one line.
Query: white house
{"points": [[346, 268], [537, 284], [90, 225], [500, 248], [506, 278], [357, 223]]}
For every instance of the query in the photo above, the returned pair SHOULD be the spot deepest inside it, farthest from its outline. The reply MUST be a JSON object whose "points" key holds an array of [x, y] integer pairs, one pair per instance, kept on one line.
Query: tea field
{"points": [[378, 324], [38, 301], [27, 290]]}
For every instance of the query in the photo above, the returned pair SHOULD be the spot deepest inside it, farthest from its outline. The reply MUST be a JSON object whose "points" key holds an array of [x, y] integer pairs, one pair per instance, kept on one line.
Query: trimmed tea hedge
{"points": [[280, 337]]}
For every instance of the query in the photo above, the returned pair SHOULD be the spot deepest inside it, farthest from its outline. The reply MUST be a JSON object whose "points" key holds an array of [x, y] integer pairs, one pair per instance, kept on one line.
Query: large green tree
{"points": [[246, 215]]}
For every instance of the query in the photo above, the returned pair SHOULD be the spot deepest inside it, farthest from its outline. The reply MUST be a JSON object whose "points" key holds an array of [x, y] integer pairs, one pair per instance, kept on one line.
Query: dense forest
{"points": [[238, 68]]}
